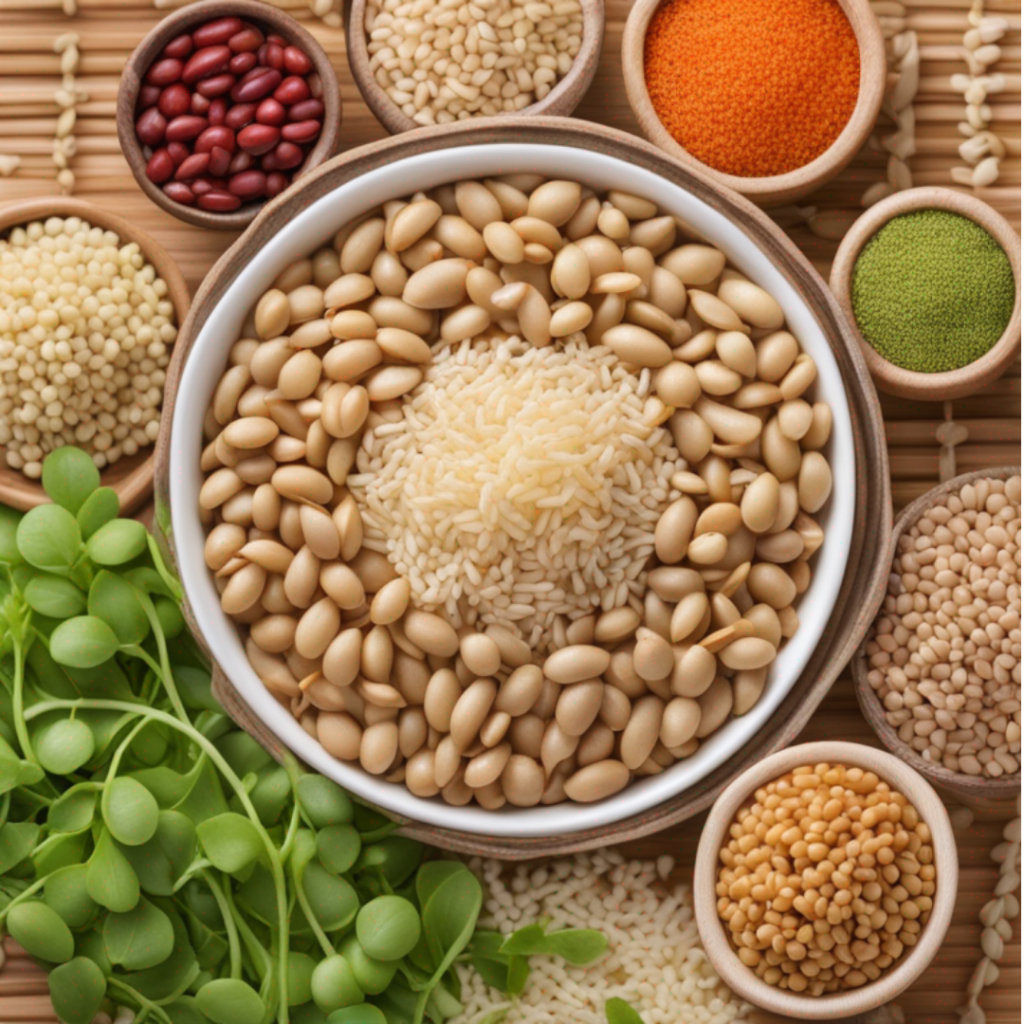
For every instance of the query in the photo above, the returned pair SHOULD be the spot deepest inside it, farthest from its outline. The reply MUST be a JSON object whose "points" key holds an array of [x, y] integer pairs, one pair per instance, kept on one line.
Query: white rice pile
{"points": [[655, 960], [520, 484]]}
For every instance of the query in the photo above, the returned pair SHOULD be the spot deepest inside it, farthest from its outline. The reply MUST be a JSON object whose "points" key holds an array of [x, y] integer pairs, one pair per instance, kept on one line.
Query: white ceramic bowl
{"points": [[313, 228], [840, 1005]]}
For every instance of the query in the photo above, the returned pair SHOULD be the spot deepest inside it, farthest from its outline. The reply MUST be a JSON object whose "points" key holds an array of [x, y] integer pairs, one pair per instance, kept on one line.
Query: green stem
{"points": [[144, 1004], [18, 701], [262, 960], [321, 936], [229, 923], [167, 673], [293, 831], [21, 897], [273, 856]]}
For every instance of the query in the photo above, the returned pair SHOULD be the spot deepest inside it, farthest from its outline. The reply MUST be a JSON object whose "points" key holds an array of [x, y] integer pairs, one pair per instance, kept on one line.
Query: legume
{"points": [[944, 654], [827, 878], [85, 328], [448, 61], [546, 566]]}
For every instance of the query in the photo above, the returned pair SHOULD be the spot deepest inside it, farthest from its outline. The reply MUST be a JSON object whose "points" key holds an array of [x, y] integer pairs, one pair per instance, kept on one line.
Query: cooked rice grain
{"points": [[520, 484]]}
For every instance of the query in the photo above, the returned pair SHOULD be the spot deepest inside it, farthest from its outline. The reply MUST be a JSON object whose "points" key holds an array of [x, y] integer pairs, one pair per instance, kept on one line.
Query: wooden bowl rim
{"points": [[776, 188], [930, 387], [136, 487], [1005, 787], [181, 21], [562, 100], [866, 572], [741, 979]]}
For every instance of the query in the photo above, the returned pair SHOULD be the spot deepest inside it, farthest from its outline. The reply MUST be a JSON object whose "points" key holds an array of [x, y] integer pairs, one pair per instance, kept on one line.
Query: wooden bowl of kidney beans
{"points": [[222, 106]]}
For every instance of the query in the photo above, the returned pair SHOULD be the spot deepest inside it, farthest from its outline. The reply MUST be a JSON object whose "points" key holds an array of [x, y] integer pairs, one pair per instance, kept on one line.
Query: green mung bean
{"points": [[932, 291]]}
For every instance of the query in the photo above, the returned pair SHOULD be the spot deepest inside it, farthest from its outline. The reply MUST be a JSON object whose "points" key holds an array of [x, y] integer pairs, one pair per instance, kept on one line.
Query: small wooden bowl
{"points": [[972, 788], [131, 476], [720, 950], [930, 387], [184, 20], [779, 188], [563, 99]]}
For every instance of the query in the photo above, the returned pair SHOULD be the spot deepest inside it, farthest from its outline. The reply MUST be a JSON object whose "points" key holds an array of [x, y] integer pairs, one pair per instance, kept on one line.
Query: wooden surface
{"points": [[992, 416]]}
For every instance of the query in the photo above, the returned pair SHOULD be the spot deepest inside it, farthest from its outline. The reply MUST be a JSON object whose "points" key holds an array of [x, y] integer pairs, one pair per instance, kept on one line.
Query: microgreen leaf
{"points": [[9, 519], [77, 989], [66, 891], [98, 509], [17, 840], [116, 602], [323, 801], [69, 477], [229, 1001], [576, 945], [111, 880], [49, 538], [55, 596], [130, 811], [73, 811], [41, 931], [64, 746], [83, 642], [618, 1011], [230, 841], [364, 1013], [139, 938], [117, 542], [164, 858]]}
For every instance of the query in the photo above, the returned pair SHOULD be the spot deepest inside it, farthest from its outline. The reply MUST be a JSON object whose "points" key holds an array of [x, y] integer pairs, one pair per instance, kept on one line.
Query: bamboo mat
{"points": [[109, 30]]}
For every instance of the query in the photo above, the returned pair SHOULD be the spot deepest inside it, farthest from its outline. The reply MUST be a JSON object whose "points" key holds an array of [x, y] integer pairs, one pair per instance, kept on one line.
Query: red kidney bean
{"points": [[217, 85], [151, 127], [179, 192], [193, 166], [160, 167], [175, 100], [288, 155], [249, 40], [301, 131], [165, 72], [216, 135], [149, 96], [271, 112], [220, 161], [241, 161], [273, 56], [256, 87], [247, 184], [277, 40], [179, 47], [218, 31], [241, 63], [296, 61], [316, 87], [258, 138], [218, 111], [292, 90], [306, 110], [200, 105], [178, 151], [240, 115], [269, 163], [201, 185], [276, 184], [210, 60], [219, 202], [185, 128]]}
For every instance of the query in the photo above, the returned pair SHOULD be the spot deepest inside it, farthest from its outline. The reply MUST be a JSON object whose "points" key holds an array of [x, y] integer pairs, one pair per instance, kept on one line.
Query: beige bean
{"points": [[781, 455], [608, 312], [775, 356], [694, 671], [522, 781], [694, 264], [799, 378], [821, 427], [311, 334], [747, 687], [672, 583], [637, 345], [390, 602], [756, 396], [438, 285], [430, 633], [576, 663], [760, 503], [615, 708], [349, 525], [341, 457], [667, 292], [812, 535], [340, 734], [534, 316], [351, 359], [780, 548], [317, 628], [646, 314], [504, 242], [303, 483], [458, 235], [789, 506], [487, 767], [342, 585], [556, 745], [470, 711], [770, 584], [354, 324], [616, 625], [571, 272], [404, 345], [274, 633], [641, 733], [495, 726], [692, 435], [442, 694], [708, 548], [229, 391], [653, 658], [480, 653], [362, 244], [555, 201], [615, 283], [795, 417], [392, 382], [766, 625], [378, 747], [464, 323], [319, 532], [687, 616], [677, 385], [218, 487], [715, 378], [597, 781], [257, 469], [514, 651], [578, 705], [222, 544], [674, 529], [570, 318], [301, 579], [391, 312], [714, 312], [411, 223], [420, 774], [737, 352], [272, 314], [680, 721], [520, 690], [747, 653], [378, 655], [272, 555], [715, 707], [751, 302], [342, 657], [655, 234], [815, 481]]}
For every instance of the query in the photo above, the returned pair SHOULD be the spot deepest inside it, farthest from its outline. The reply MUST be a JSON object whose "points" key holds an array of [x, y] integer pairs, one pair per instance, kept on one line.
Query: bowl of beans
{"points": [[83, 365], [695, 71], [221, 106], [557, 503], [825, 880], [938, 676], [427, 63], [930, 280]]}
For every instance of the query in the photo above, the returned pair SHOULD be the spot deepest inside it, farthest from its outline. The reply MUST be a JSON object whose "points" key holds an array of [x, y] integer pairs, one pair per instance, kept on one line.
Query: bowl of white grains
{"points": [[516, 503], [938, 676], [825, 880], [89, 311]]}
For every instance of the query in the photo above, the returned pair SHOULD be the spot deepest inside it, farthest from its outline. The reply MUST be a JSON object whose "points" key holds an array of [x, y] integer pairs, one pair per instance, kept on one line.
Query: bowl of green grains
{"points": [[930, 280]]}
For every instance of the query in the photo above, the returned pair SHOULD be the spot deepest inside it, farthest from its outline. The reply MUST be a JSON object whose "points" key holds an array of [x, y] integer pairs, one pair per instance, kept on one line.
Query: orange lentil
{"points": [[752, 87]]}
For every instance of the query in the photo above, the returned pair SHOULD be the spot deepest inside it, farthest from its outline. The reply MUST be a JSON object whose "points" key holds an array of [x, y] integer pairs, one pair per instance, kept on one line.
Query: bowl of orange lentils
{"points": [[769, 100]]}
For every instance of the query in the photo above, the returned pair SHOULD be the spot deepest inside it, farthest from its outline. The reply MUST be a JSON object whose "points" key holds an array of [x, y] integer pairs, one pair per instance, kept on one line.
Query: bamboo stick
{"points": [[37, 145], [926, 20]]}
